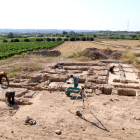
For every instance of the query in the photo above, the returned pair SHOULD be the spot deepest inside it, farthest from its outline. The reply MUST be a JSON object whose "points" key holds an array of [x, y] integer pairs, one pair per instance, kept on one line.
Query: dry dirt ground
{"points": [[103, 118], [130, 43], [68, 47]]}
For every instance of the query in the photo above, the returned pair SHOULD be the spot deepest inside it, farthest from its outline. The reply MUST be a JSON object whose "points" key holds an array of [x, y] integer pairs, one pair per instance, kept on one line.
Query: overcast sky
{"points": [[70, 14]]}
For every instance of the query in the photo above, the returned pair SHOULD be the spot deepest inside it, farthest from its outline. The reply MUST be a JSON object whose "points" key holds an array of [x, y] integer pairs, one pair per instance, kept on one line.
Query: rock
{"points": [[134, 117], [88, 90], [88, 95], [97, 92], [123, 129], [88, 85], [81, 78], [126, 92], [107, 89], [116, 80], [100, 81], [58, 132]]}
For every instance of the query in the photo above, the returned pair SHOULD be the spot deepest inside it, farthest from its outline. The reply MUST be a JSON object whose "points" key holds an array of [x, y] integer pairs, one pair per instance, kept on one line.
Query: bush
{"points": [[67, 36], [12, 40], [48, 39], [72, 39], [4, 40], [87, 38], [66, 39], [16, 40], [39, 39], [77, 39], [94, 35], [91, 39], [59, 39], [83, 38], [53, 39], [26, 40]]}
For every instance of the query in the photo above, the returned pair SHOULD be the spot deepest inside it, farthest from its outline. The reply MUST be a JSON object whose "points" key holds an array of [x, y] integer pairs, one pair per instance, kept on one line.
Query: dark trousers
{"points": [[11, 100]]}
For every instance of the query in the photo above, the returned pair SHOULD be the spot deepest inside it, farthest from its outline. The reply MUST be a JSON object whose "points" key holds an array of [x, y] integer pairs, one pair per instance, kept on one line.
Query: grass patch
{"points": [[15, 69], [10, 75], [79, 56], [130, 59], [108, 49], [138, 46]]}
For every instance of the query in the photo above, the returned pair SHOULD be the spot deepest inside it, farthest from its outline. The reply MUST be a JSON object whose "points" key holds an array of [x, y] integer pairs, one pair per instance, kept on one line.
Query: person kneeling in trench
{"points": [[112, 69], [75, 81]]}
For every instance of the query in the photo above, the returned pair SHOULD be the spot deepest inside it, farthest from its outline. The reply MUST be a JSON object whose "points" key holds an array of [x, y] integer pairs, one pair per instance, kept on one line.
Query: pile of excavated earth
{"points": [[95, 77], [95, 53]]}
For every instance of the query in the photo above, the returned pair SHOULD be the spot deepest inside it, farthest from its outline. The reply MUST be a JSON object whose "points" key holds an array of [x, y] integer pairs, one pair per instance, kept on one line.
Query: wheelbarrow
{"points": [[72, 90]]}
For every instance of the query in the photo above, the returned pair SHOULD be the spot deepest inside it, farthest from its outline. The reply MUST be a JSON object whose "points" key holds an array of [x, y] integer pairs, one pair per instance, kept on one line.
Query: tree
{"points": [[72, 39], [10, 35], [87, 38], [64, 33], [26, 40], [83, 38], [53, 39], [48, 39], [134, 36], [122, 36], [94, 35], [91, 39], [12, 40], [59, 39], [66, 39], [16, 40], [72, 32], [4, 40], [77, 39]]}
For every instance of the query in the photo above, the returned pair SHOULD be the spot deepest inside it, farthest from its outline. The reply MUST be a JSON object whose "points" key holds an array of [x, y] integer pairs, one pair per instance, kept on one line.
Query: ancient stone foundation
{"points": [[95, 77]]}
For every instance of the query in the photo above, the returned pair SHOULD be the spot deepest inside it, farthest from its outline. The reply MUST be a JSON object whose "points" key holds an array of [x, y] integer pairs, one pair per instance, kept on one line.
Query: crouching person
{"points": [[3, 74], [9, 97]]}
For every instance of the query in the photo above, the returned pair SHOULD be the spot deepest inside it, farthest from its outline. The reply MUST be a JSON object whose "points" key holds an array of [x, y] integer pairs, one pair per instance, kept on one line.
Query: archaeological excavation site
{"points": [[95, 77], [110, 107]]}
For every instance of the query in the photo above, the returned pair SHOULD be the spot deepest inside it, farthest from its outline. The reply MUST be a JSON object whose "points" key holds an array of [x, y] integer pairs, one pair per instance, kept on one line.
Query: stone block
{"points": [[98, 92], [116, 80], [98, 81], [107, 89], [122, 79], [126, 92], [88, 90], [88, 85]]}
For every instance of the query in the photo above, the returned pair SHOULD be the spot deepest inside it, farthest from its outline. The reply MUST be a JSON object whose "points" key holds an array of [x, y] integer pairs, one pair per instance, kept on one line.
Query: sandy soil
{"points": [[108, 120], [103, 118], [131, 43]]}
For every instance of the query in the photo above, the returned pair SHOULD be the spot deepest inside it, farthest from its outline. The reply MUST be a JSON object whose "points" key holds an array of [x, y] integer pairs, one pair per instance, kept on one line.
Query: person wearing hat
{"points": [[112, 69]]}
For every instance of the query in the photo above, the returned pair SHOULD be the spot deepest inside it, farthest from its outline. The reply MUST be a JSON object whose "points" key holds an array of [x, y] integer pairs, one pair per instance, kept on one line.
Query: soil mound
{"points": [[95, 53]]}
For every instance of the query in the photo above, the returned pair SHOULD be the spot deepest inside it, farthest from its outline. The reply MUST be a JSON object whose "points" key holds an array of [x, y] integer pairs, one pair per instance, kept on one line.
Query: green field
{"points": [[9, 49]]}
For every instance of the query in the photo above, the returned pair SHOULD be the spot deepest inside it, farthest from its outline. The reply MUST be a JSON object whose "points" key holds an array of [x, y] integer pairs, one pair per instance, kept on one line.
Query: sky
{"points": [[71, 14]]}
